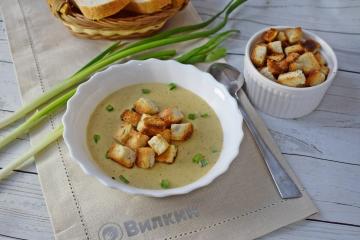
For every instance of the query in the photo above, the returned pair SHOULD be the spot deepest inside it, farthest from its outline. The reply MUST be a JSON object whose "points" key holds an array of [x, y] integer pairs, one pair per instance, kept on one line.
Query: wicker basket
{"points": [[124, 25]]}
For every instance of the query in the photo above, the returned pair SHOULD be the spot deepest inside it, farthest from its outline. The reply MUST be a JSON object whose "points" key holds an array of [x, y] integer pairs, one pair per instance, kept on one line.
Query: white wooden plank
{"points": [[332, 185], [23, 211]]}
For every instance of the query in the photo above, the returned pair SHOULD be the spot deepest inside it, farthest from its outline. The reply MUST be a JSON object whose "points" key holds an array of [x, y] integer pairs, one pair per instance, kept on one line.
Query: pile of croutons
{"points": [[286, 58], [145, 135]]}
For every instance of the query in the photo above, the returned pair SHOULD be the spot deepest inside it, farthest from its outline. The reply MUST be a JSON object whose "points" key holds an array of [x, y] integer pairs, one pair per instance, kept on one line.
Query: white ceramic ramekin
{"points": [[283, 101], [102, 84]]}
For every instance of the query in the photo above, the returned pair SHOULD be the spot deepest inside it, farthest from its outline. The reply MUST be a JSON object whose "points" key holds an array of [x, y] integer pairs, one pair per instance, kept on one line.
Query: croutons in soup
{"points": [[154, 136]]}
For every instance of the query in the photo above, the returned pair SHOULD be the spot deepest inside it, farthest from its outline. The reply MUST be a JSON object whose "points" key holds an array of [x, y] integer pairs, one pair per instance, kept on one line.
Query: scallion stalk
{"points": [[159, 55], [54, 135], [36, 118]]}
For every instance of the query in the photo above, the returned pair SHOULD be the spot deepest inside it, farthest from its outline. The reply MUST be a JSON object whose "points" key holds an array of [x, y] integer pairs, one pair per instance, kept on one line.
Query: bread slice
{"points": [[98, 9], [147, 6]]}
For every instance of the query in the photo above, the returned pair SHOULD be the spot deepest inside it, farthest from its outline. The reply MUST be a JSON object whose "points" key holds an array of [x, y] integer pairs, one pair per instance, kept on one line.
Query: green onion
{"points": [[96, 138], [203, 162], [204, 115], [172, 86], [166, 54], [165, 184], [207, 47], [216, 54], [109, 108], [197, 158], [123, 179], [36, 118], [183, 29], [28, 157], [192, 116], [145, 91]]}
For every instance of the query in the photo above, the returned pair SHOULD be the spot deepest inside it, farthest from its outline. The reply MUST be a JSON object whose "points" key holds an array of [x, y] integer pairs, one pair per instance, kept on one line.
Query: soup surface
{"points": [[206, 139]]}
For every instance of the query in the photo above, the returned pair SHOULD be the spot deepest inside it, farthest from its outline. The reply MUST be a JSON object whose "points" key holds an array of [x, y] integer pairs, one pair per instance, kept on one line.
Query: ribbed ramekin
{"points": [[283, 101]]}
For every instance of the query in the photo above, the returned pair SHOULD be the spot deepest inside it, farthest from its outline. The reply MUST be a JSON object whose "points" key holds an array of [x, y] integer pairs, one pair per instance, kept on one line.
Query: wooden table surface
{"points": [[323, 148]]}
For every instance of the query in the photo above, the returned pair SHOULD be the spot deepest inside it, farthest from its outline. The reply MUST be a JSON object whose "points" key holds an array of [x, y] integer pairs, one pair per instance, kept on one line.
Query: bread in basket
{"points": [[122, 25]]}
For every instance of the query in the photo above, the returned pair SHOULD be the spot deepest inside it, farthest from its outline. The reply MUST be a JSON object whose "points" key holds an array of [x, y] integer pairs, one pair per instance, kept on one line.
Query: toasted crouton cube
{"points": [[154, 121], [171, 115], [122, 155], [122, 134], [145, 105], [166, 134], [292, 79], [270, 35], [292, 57], [136, 140], [168, 156], [130, 117], [309, 62], [315, 78], [281, 37], [150, 125], [277, 67], [145, 157], [324, 70], [276, 57], [275, 47], [265, 71], [297, 48], [295, 66], [321, 60], [294, 35], [158, 144], [258, 55], [141, 125], [311, 45], [181, 132]]}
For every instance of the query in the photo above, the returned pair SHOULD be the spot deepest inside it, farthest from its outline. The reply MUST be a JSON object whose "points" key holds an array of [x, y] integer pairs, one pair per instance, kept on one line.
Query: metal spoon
{"points": [[231, 78]]}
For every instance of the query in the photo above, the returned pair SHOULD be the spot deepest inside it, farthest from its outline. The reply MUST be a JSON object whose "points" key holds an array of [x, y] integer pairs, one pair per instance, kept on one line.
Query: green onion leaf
{"points": [[172, 86], [109, 108], [145, 91], [96, 138], [123, 179], [165, 184], [192, 116], [197, 158], [204, 115], [203, 162]]}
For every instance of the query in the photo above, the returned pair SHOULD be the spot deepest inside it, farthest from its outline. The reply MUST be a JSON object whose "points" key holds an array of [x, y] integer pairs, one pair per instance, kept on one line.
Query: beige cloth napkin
{"points": [[241, 204]]}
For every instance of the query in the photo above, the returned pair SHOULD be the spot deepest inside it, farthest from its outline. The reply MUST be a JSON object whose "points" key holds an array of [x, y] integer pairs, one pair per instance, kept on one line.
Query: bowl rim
{"points": [[90, 169], [329, 50]]}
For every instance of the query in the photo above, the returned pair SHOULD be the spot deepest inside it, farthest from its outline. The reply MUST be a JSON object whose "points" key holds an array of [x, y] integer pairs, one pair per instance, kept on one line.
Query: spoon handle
{"points": [[285, 185]]}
